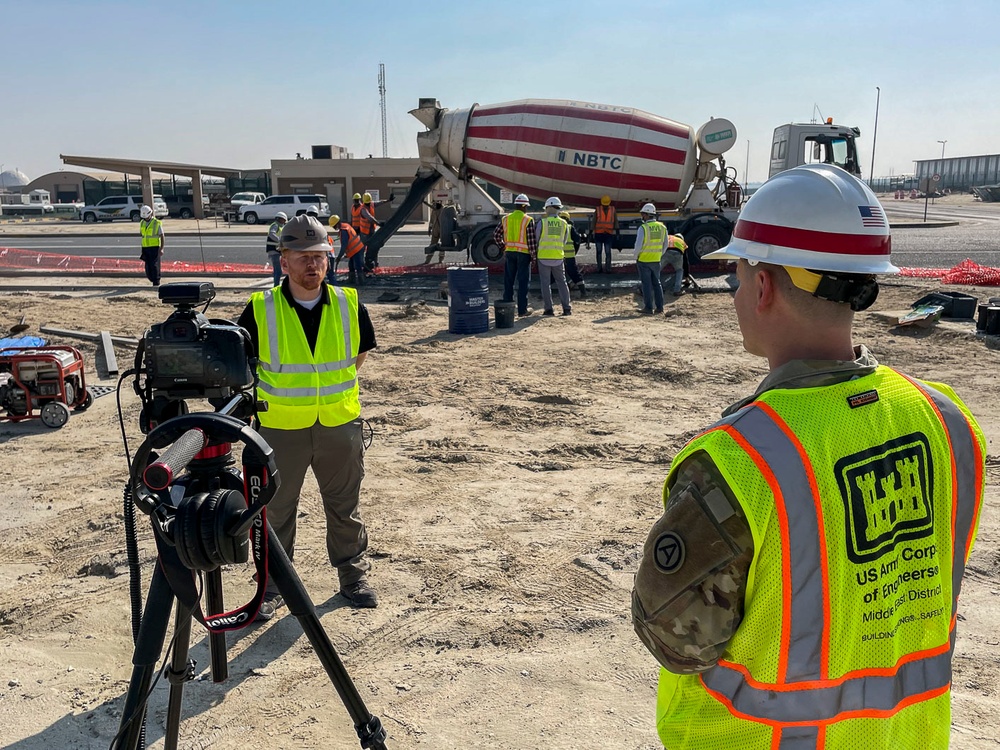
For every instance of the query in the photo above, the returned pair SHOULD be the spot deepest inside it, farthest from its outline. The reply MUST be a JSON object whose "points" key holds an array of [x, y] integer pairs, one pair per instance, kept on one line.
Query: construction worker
{"points": [[673, 255], [274, 243], [649, 241], [369, 225], [151, 232], [573, 276], [603, 229], [515, 234], [434, 231], [356, 213], [801, 587], [553, 234], [311, 338], [351, 247]]}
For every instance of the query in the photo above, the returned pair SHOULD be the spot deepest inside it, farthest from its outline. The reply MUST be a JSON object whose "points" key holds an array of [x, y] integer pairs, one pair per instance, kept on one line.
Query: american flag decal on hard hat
{"points": [[871, 216]]}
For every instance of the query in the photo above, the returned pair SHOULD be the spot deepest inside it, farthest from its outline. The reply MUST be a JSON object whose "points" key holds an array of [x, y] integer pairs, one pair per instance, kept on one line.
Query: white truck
{"points": [[581, 151]]}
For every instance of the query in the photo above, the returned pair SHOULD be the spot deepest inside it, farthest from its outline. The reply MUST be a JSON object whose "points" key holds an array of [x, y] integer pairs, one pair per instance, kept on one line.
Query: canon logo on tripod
{"points": [[218, 622]]}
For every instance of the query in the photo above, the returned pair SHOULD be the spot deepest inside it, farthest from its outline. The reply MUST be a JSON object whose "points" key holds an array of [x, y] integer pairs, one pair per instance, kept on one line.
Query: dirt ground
{"points": [[511, 483]]}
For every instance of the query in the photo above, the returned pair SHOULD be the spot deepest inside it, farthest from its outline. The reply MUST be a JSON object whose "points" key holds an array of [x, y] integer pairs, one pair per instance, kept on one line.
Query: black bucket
{"points": [[503, 314], [468, 300], [981, 317], [993, 320]]}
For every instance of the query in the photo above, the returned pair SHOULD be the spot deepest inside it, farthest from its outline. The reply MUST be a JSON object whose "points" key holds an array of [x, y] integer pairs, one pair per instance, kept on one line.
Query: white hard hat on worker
{"points": [[818, 217], [521, 200], [145, 212]]}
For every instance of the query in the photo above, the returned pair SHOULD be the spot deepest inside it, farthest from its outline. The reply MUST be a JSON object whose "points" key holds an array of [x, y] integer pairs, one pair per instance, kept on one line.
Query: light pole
{"points": [[871, 175], [942, 147], [746, 172]]}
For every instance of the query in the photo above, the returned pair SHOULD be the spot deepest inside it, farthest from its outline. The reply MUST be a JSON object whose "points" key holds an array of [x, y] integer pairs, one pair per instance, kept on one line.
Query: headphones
{"points": [[208, 529]]}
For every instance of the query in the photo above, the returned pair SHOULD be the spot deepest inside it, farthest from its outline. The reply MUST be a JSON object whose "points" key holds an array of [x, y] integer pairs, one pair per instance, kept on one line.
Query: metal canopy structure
{"points": [[144, 170]]}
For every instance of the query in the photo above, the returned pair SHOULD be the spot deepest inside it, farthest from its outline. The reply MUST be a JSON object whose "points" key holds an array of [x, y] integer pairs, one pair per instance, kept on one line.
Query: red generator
{"points": [[42, 382]]}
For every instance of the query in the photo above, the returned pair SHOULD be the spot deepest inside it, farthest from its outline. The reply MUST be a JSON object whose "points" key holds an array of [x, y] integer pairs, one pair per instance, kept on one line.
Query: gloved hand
{"points": [[392, 196]]}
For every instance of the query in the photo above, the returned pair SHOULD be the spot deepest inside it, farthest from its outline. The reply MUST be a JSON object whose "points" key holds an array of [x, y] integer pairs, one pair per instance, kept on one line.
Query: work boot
{"points": [[583, 290], [567, 311], [550, 311], [524, 313], [271, 604], [360, 594]]}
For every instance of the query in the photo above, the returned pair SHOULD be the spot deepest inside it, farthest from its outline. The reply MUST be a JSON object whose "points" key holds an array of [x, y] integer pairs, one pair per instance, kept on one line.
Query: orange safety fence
{"points": [[967, 272]]}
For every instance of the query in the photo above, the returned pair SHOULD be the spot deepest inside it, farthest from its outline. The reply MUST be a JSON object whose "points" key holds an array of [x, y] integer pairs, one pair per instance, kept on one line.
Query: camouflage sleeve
{"points": [[691, 582]]}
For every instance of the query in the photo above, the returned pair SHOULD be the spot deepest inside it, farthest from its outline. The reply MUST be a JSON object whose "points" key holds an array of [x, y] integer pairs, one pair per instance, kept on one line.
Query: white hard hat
{"points": [[145, 212], [521, 200], [281, 215], [649, 208], [553, 202], [817, 217], [312, 211]]}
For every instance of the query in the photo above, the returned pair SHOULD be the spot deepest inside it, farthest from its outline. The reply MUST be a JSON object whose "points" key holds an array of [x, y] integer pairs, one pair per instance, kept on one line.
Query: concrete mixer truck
{"points": [[581, 151]]}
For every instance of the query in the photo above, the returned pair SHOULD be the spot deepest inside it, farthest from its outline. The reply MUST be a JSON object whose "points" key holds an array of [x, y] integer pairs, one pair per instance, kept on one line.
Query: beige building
{"points": [[339, 179]]}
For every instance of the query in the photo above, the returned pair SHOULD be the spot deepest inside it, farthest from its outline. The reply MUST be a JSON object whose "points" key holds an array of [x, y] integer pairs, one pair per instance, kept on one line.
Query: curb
{"points": [[922, 224]]}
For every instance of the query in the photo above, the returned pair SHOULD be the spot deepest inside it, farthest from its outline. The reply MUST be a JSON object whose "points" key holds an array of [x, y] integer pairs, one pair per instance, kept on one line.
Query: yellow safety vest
{"points": [[653, 236], [515, 231], [552, 238], [301, 386], [150, 230], [569, 249], [851, 600]]}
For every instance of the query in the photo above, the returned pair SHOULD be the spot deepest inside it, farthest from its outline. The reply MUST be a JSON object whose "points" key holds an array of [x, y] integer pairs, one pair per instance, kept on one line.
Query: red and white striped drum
{"points": [[578, 151]]}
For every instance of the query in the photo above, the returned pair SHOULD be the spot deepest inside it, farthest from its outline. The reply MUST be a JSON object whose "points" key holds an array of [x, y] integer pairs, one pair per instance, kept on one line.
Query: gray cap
{"points": [[305, 234]]}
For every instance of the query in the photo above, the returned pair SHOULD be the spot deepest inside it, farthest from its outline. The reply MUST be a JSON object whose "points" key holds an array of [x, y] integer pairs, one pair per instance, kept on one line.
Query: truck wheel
{"points": [[134, 216], [485, 251], [55, 414], [250, 217], [89, 218], [186, 213], [704, 240]]}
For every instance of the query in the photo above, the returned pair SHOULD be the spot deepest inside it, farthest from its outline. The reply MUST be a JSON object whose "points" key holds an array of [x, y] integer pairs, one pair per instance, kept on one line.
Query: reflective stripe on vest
{"points": [[552, 238], [275, 228], [354, 244], [604, 220], [676, 243], [802, 692], [515, 232], [150, 230], [653, 236], [302, 386]]}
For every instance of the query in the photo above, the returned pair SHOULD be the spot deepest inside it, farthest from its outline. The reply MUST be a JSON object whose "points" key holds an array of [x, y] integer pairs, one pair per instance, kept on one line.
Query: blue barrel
{"points": [[468, 300]]}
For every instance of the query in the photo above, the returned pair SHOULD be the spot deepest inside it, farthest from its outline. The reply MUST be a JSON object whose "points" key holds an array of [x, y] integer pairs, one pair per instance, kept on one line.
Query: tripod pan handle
{"points": [[159, 474]]}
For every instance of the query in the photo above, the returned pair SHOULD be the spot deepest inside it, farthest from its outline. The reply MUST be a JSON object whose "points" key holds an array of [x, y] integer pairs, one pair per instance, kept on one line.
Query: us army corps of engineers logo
{"points": [[887, 493]]}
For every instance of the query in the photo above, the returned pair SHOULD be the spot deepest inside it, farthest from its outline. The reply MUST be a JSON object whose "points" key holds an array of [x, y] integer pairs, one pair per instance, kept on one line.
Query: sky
{"points": [[236, 84]]}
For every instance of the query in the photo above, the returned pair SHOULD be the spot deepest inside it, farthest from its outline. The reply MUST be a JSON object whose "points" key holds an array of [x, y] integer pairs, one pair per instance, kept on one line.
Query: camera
{"points": [[190, 356]]}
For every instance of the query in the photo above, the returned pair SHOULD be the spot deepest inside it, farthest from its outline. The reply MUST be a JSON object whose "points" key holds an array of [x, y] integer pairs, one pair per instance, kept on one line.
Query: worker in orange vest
{"points": [[369, 225], [603, 230], [351, 247]]}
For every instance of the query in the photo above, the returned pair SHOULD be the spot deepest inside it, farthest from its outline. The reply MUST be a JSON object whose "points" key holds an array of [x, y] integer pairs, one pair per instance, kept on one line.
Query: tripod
{"points": [[172, 577]]}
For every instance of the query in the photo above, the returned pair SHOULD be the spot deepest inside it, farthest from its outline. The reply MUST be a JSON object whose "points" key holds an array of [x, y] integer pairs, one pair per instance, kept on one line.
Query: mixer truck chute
{"points": [[578, 151]]}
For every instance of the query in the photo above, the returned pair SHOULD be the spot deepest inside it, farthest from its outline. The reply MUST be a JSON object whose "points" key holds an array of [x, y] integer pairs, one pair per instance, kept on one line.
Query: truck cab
{"points": [[814, 143]]}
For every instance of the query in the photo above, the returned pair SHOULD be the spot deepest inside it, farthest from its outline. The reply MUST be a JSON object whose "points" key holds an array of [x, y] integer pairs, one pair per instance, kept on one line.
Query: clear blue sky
{"points": [[236, 84]]}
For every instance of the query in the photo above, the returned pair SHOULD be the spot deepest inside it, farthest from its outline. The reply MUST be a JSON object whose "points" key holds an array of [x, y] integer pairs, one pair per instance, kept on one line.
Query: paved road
{"points": [[977, 237]]}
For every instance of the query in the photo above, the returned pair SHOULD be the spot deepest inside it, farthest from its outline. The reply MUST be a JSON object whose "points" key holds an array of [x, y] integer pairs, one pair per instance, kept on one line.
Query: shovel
{"points": [[19, 328]]}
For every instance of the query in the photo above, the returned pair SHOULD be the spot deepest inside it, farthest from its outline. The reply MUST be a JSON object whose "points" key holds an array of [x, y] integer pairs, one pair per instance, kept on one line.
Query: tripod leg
{"points": [[279, 567], [152, 630], [180, 672], [216, 641]]}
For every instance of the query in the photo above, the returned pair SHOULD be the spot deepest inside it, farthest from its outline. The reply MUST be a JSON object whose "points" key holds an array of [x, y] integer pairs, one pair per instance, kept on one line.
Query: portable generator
{"points": [[42, 382]]}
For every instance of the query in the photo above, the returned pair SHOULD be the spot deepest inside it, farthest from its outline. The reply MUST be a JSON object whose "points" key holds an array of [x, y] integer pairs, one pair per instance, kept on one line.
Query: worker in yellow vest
{"points": [[151, 232], [553, 234], [649, 241], [311, 338], [603, 229], [673, 256], [574, 279], [515, 235], [801, 587]]}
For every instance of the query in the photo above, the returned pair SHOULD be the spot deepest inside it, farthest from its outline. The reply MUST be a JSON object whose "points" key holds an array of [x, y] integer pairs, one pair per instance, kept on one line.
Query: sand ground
{"points": [[511, 483]]}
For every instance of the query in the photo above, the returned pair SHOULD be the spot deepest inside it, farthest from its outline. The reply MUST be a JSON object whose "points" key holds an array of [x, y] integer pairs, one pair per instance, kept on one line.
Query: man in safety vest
{"points": [[801, 587], [553, 234], [311, 338], [649, 242], [603, 228], [351, 247], [151, 232], [515, 234], [673, 256], [369, 225], [574, 279], [274, 243]]}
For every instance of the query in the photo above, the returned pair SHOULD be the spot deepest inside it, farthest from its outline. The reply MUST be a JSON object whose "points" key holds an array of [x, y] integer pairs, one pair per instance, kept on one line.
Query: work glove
{"points": [[392, 196]]}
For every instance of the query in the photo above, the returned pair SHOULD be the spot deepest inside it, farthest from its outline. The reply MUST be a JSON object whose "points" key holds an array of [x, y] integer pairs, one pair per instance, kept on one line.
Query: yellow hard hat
{"points": [[564, 215], [334, 220], [368, 198], [605, 200], [357, 197]]}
